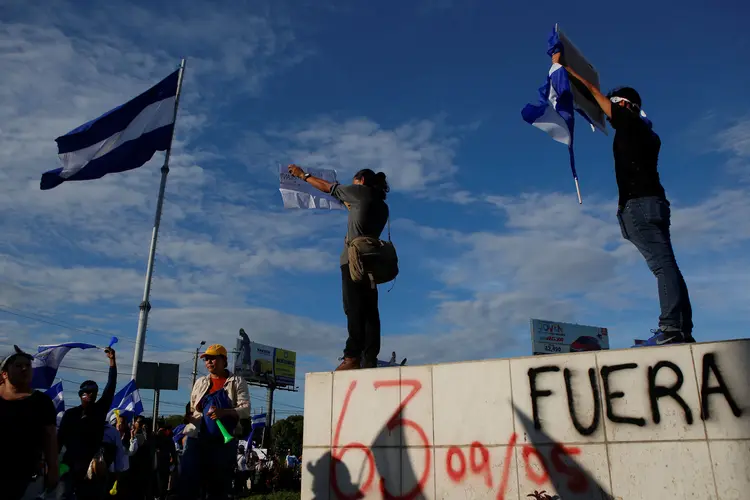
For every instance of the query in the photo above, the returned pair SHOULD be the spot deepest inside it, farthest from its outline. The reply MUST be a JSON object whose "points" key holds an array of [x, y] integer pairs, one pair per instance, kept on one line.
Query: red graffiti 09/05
{"points": [[457, 466]]}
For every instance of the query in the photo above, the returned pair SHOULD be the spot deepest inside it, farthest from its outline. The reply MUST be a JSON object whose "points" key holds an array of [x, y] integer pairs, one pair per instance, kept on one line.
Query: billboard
{"points": [[264, 364], [284, 366], [555, 337]]}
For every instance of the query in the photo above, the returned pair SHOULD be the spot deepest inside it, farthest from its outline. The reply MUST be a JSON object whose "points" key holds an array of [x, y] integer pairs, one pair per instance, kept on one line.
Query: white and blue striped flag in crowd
{"points": [[127, 401], [122, 139], [258, 421], [555, 111], [47, 360], [56, 395]]}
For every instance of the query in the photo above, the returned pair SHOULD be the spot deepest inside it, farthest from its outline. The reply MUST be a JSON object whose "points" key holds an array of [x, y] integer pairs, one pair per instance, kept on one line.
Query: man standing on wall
{"points": [[643, 209]]}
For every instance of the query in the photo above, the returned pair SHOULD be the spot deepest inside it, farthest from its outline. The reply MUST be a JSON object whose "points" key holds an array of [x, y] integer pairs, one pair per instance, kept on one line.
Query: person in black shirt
{"points": [[81, 433], [27, 428], [643, 209]]}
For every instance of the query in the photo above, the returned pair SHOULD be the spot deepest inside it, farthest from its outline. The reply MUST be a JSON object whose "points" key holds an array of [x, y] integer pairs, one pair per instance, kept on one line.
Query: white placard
{"points": [[296, 193]]}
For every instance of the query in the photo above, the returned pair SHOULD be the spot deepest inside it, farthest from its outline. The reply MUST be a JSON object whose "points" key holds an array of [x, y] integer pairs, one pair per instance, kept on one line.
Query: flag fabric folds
{"points": [[47, 360], [296, 193], [127, 401], [122, 139], [555, 112], [56, 395]]}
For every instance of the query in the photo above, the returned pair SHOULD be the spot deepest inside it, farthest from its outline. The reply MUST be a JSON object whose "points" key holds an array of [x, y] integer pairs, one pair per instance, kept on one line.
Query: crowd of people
{"points": [[96, 452]]}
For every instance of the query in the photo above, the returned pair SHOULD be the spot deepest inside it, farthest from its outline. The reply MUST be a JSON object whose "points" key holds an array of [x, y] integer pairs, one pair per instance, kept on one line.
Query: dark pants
{"points": [[363, 318], [207, 466], [645, 223], [162, 478]]}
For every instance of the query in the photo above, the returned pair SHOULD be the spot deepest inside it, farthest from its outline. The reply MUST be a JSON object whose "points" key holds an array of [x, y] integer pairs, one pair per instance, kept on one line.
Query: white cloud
{"points": [[556, 259], [414, 155]]}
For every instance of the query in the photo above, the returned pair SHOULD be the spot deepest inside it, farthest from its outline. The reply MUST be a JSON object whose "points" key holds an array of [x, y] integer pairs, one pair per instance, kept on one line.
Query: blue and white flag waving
{"points": [[47, 360], [555, 111], [122, 139], [258, 421], [56, 395], [127, 401]]}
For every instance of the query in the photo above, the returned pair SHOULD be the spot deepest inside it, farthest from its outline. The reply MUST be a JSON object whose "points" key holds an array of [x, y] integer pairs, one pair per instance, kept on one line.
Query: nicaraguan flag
{"points": [[127, 401], [122, 139], [47, 360], [56, 395], [258, 421], [555, 112]]}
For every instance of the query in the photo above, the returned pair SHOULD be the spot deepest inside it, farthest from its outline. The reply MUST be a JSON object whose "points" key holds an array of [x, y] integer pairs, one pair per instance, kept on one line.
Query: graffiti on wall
{"points": [[712, 386], [553, 463]]}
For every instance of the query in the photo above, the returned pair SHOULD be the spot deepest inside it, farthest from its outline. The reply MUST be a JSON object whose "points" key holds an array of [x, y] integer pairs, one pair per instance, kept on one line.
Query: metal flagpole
{"points": [[145, 306]]}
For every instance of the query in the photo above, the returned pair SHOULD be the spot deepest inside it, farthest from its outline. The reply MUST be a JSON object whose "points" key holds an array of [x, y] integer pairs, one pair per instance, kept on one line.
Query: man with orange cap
{"points": [[208, 463]]}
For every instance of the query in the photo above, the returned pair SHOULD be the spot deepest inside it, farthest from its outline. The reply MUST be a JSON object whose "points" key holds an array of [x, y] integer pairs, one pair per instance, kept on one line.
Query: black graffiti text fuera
{"points": [[540, 390]]}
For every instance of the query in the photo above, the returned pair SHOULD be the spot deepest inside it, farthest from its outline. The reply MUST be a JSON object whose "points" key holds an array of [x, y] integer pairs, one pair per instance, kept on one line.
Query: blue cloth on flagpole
{"points": [[47, 360], [122, 139], [219, 400], [127, 401], [555, 112]]}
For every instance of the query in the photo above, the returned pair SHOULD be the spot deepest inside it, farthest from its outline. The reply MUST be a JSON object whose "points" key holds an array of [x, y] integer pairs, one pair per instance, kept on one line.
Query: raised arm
{"points": [[316, 182], [600, 98], [105, 402]]}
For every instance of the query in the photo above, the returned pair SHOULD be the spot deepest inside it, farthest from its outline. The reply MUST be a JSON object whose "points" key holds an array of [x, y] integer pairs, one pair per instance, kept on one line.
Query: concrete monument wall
{"points": [[637, 424]]}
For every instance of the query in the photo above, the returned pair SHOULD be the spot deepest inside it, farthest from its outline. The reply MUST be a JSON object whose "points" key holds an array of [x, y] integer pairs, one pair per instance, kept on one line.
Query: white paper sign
{"points": [[296, 193]]}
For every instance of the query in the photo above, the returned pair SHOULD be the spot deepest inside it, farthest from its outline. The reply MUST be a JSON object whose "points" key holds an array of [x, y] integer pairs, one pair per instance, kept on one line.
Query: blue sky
{"points": [[485, 217]]}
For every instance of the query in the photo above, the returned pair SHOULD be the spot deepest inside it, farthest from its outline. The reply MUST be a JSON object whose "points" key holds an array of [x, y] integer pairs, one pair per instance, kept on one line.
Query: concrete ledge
{"points": [[647, 423]]}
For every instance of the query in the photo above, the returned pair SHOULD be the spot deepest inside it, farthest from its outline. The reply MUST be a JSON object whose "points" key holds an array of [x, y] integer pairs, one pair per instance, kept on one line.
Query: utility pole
{"points": [[195, 363], [269, 414]]}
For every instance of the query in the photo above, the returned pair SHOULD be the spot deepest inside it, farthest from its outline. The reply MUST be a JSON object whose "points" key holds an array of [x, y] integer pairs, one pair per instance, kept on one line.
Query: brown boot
{"points": [[348, 364]]}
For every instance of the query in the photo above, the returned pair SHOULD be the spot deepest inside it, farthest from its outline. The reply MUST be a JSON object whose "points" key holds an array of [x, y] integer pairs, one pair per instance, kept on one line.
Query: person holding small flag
{"points": [[82, 432], [643, 209], [208, 462]]}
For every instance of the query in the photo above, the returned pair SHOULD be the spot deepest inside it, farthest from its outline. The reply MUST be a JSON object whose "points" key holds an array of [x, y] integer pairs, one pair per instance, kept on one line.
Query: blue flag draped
{"points": [[122, 139], [555, 112], [47, 360]]}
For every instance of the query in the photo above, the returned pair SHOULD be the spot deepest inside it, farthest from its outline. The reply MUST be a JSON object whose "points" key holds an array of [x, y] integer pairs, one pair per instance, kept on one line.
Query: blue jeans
{"points": [[207, 466], [645, 223]]}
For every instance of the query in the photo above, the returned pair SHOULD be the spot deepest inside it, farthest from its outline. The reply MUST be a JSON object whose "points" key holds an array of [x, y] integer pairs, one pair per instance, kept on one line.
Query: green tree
{"points": [[174, 420], [287, 435]]}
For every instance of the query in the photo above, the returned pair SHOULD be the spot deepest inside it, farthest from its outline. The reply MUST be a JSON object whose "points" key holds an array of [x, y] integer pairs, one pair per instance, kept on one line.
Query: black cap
{"points": [[88, 386], [15, 352]]}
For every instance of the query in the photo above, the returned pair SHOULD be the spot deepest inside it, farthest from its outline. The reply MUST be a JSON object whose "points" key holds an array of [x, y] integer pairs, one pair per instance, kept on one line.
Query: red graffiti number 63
{"points": [[395, 421]]}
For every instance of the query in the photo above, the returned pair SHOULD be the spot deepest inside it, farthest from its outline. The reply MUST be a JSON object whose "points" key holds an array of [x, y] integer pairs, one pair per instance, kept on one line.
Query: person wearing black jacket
{"points": [[643, 210], [81, 433]]}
